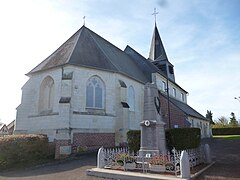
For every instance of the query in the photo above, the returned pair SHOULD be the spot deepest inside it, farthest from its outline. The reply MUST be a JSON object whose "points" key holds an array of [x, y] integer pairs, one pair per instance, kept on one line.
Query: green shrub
{"points": [[183, 138], [226, 131], [133, 138], [179, 138], [82, 149], [17, 149]]}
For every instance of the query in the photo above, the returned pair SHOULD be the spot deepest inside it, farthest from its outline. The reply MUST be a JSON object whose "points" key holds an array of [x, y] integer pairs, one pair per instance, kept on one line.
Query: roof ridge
{"points": [[70, 55], [103, 50]]}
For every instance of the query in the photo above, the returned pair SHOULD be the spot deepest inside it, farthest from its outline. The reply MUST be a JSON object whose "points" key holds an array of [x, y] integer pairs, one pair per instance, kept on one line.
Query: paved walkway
{"points": [[227, 166], [227, 156]]}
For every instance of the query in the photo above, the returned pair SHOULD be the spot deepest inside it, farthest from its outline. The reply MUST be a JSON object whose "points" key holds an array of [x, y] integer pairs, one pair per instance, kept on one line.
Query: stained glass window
{"points": [[95, 93]]}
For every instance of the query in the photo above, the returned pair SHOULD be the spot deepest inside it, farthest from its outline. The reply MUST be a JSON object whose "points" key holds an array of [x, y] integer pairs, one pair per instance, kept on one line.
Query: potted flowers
{"points": [[157, 163], [126, 160]]}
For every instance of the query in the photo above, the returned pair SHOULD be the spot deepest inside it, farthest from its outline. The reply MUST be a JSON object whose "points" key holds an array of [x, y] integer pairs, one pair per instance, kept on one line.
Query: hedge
{"points": [[17, 149], [134, 139], [179, 138], [226, 131], [183, 138]]}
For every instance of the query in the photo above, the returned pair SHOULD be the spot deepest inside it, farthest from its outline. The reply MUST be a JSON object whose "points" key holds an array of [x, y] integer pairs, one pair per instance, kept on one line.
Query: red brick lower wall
{"points": [[177, 117], [59, 143], [93, 141]]}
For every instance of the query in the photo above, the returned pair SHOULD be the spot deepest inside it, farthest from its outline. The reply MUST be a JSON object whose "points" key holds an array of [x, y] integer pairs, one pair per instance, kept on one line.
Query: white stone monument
{"points": [[152, 127], [184, 165]]}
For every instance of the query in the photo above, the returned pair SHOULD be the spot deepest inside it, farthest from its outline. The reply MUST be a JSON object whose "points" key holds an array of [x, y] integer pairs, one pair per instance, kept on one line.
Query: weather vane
{"points": [[84, 20], [155, 14]]}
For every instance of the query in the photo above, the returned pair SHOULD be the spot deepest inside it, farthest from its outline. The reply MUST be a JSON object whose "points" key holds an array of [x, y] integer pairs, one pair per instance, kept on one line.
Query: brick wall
{"points": [[58, 144], [93, 141], [177, 117]]}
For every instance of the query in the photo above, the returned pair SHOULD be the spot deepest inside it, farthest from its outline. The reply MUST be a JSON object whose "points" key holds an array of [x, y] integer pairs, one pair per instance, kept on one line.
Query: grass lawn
{"points": [[228, 137]]}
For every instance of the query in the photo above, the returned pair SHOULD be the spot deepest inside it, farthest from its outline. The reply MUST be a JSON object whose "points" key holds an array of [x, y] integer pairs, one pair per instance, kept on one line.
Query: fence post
{"points": [[207, 154], [184, 165], [100, 158]]}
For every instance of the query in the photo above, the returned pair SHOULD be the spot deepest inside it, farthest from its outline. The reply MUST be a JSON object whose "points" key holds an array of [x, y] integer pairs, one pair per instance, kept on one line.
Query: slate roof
{"points": [[186, 109], [146, 66], [86, 48]]}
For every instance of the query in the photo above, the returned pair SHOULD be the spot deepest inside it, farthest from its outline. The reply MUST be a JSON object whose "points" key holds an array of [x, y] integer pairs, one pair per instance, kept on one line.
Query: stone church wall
{"points": [[113, 118], [28, 117], [158, 79], [90, 118], [79, 125]]}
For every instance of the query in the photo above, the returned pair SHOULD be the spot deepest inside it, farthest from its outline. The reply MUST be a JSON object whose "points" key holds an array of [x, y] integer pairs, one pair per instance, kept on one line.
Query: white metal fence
{"points": [[121, 159]]}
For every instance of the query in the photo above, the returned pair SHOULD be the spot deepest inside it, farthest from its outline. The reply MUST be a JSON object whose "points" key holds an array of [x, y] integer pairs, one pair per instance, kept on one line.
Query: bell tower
{"points": [[157, 54]]}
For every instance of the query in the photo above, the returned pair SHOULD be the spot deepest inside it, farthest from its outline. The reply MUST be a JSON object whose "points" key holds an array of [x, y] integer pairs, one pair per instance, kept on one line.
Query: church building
{"points": [[89, 93]]}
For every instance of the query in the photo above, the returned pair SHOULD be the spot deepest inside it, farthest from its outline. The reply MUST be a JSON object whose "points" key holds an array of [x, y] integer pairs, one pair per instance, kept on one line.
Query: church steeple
{"points": [[157, 51], [158, 54]]}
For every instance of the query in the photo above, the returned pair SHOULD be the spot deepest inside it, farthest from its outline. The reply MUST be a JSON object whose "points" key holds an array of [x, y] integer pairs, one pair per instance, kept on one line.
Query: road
{"points": [[226, 154], [67, 170]]}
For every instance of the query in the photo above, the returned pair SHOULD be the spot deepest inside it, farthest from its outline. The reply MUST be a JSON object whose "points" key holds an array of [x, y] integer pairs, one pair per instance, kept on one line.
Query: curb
{"points": [[202, 170], [126, 175], [114, 174]]}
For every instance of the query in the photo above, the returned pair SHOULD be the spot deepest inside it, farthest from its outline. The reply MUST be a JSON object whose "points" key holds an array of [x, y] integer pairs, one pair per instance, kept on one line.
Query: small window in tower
{"points": [[174, 92], [170, 68], [164, 88], [182, 96]]}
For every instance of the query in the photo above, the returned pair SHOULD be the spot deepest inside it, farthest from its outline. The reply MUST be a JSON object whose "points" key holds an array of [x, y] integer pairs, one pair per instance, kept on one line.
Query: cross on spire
{"points": [[155, 14], [84, 20]]}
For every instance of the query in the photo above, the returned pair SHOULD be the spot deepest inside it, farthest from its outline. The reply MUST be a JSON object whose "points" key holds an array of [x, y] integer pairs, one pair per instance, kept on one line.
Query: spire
{"points": [[157, 51], [158, 55]]}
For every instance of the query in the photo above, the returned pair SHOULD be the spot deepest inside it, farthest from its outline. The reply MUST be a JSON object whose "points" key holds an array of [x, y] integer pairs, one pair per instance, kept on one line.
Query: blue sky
{"points": [[201, 38]]}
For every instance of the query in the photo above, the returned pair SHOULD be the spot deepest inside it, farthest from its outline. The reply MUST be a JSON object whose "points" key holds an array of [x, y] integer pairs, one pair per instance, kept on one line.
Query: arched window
{"points": [[131, 98], [46, 95], [95, 93]]}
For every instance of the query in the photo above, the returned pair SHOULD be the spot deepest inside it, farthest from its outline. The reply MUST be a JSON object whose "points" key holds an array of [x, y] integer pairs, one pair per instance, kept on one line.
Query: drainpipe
{"points": [[169, 117]]}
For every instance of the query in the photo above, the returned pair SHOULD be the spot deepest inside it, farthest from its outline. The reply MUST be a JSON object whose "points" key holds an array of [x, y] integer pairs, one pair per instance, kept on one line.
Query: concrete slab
{"points": [[126, 175], [114, 174]]}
